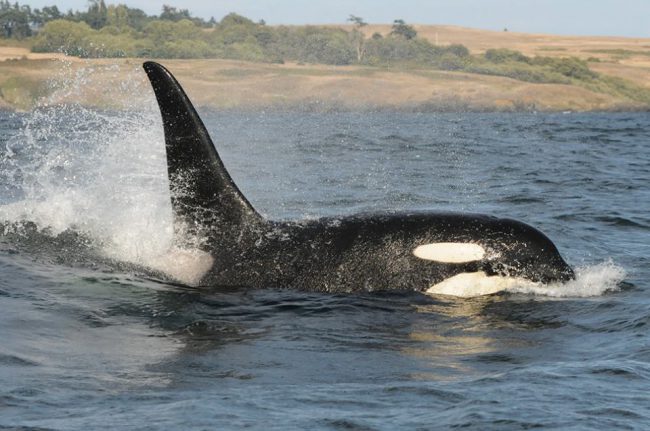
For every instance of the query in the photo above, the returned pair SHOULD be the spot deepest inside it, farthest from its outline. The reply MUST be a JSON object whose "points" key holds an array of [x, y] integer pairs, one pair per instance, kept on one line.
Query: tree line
{"points": [[121, 31], [21, 21]]}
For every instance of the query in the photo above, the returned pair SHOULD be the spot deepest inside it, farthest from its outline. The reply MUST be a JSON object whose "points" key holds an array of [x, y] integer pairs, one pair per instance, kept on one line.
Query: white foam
{"points": [[100, 173], [594, 280], [186, 266]]}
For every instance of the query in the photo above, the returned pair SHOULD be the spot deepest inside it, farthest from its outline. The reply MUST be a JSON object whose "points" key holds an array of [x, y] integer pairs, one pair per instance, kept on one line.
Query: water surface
{"points": [[91, 343]]}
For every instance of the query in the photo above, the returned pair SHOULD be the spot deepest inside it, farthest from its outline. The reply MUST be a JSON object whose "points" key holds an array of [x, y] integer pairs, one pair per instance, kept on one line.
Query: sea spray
{"points": [[591, 280], [98, 172]]}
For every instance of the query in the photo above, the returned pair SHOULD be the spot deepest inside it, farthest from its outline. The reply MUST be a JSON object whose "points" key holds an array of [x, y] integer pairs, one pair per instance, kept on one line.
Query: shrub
{"points": [[569, 66], [505, 55], [62, 35], [183, 48], [312, 45], [162, 31]]}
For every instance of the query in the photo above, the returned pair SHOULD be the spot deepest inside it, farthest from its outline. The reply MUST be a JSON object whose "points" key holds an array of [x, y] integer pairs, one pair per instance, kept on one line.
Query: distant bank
{"points": [[27, 79]]}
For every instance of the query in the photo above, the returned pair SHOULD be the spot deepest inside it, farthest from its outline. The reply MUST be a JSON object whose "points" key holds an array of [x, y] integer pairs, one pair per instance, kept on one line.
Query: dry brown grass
{"points": [[18, 53], [224, 83], [635, 67]]}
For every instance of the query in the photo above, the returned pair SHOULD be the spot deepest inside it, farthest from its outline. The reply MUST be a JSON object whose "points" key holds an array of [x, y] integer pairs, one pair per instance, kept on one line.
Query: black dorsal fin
{"points": [[203, 193]]}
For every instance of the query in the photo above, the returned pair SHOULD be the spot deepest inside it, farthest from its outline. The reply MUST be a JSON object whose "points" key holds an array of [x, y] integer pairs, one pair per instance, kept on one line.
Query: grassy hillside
{"points": [[622, 65]]}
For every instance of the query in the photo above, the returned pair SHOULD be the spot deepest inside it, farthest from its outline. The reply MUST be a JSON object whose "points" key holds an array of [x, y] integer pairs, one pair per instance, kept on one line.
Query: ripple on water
{"points": [[16, 361], [89, 344]]}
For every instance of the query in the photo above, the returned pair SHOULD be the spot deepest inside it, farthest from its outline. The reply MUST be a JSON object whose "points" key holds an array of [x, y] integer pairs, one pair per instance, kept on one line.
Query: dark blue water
{"points": [[88, 344]]}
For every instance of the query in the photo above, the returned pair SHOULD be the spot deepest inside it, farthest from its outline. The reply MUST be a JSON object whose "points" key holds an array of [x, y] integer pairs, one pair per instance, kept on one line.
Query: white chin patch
{"points": [[469, 284], [450, 252]]}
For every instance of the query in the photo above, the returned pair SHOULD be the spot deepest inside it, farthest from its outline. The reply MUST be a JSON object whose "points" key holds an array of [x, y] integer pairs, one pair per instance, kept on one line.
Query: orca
{"points": [[432, 252]]}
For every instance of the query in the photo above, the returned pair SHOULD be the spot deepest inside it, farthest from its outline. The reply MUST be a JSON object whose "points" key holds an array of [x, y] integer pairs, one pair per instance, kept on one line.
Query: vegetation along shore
{"points": [[238, 63]]}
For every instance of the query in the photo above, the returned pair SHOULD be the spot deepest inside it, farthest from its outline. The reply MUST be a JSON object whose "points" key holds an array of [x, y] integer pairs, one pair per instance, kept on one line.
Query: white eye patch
{"points": [[450, 252]]}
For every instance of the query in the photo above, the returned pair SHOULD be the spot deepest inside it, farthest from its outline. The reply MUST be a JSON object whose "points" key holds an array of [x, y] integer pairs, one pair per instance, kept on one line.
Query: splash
{"points": [[98, 172], [594, 280]]}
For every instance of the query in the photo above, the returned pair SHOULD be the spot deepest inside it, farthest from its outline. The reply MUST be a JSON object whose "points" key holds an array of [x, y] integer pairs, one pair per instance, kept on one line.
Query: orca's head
{"points": [[519, 250], [486, 248]]}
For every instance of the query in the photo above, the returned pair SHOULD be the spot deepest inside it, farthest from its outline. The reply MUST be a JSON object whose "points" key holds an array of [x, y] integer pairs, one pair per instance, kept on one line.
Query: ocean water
{"points": [[91, 339]]}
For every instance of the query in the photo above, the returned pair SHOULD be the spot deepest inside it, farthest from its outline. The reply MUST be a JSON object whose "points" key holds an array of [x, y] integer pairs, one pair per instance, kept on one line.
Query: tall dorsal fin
{"points": [[203, 193]]}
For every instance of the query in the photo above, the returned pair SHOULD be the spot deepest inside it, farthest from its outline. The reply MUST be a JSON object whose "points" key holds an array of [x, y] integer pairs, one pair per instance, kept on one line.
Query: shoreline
{"points": [[218, 84], [28, 80]]}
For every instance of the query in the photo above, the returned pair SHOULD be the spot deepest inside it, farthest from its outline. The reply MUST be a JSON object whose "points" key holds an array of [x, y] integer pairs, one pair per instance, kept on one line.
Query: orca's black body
{"points": [[371, 252]]}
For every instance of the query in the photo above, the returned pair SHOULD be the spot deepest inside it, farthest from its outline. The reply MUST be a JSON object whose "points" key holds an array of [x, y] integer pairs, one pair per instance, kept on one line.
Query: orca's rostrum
{"points": [[432, 252]]}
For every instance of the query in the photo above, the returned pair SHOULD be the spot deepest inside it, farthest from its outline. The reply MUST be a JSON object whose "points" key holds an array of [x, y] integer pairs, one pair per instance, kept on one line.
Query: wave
{"points": [[97, 172], [593, 280]]}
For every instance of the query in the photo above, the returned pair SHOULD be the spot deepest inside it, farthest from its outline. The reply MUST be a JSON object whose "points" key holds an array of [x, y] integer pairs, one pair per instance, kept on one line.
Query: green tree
{"points": [[137, 18], [63, 35], [117, 16], [159, 32], [357, 36], [173, 36], [311, 44], [107, 43], [400, 28], [234, 28], [235, 19], [171, 13], [48, 13], [502, 55], [183, 48], [328, 47], [458, 50], [14, 23], [96, 15]]}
